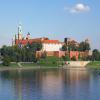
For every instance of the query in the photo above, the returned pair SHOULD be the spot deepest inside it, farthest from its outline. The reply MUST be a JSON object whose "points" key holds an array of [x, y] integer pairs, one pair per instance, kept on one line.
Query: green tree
{"points": [[66, 57], [96, 55], [73, 47], [19, 54], [6, 61], [31, 51], [83, 46], [73, 58], [69, 47], [64, 47]]}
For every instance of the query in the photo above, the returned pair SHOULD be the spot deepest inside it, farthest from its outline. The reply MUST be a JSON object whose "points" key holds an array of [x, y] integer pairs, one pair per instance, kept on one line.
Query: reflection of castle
{"points": [[51, 47]]}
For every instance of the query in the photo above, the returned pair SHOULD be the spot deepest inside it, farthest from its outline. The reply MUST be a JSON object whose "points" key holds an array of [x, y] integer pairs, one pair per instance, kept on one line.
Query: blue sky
{"points": [[56, 19]]}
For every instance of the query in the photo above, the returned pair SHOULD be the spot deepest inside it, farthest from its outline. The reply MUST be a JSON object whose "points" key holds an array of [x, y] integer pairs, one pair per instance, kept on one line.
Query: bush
{"points": [[6, 61], [66, 58], [54, 62], [73, 58]]}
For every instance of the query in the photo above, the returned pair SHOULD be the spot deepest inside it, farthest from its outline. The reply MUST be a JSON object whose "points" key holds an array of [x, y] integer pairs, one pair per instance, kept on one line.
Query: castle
{"points": [[51, 47]]}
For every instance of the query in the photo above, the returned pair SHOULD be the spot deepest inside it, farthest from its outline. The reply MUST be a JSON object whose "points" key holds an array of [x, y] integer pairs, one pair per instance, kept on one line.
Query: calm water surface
{"points": [[49, 85]]}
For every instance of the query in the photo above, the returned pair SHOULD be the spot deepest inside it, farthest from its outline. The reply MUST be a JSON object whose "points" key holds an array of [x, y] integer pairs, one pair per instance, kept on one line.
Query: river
{"points": [[49, 84]]}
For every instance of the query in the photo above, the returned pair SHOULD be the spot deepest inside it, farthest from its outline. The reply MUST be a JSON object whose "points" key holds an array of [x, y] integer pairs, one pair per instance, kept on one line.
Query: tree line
{"points": [[83, 46], [18, 53], [95, 55], [27, 53]]}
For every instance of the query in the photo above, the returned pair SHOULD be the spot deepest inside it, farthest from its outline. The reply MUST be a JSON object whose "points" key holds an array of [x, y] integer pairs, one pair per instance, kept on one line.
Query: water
{"points": [[49, 85]]}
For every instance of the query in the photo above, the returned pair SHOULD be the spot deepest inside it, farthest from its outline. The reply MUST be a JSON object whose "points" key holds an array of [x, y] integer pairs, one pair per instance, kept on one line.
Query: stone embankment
{"points": [[75, 64]]}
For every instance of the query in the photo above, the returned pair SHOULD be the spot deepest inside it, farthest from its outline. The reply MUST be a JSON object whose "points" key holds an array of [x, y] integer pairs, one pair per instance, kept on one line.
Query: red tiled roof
{"points": [[24, 42], [51, 41]]}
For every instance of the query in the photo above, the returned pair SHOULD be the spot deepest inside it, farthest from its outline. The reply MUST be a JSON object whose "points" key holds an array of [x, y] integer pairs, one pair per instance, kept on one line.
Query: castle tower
{"points": [[87, 41], [13, 42], [15, 38], [19, 32], [28, 36]]}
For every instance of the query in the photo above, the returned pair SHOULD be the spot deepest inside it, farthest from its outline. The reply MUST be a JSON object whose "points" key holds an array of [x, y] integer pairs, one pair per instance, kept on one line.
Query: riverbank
{"points": [[76, 64], [28, 66], [94, 65], [49, 62]]}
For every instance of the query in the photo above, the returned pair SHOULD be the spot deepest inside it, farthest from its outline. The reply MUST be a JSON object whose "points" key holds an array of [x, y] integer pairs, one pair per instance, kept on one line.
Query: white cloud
{"points": [[78, 8]]}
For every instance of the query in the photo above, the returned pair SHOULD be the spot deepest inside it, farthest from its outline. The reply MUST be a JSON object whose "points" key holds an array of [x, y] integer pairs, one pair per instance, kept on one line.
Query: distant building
{"points": [[50, 47], [70, 41]]}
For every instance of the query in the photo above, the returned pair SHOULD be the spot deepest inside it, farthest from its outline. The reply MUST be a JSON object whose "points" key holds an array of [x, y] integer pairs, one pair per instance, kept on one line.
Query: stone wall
{"points": [[77, 63]]}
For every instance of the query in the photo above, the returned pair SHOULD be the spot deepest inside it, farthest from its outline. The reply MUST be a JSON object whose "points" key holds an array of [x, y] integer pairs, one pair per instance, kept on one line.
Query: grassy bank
{"points": [[46, 62], [94, 65], [11, 65]]}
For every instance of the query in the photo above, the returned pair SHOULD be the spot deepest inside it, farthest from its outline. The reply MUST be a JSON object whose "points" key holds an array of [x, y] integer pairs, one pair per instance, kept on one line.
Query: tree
{"points": [[6, 61], [64, 47], [73, 47], [73, 58], [34, 46], [31, 51], [25, 54], [96, 55], [83, 46], [66, 57], [69, 47]]}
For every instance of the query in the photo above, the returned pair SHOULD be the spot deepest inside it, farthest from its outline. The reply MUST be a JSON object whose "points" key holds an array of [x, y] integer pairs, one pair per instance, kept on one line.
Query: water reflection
{"points": [[74, 76], [46, 85]]}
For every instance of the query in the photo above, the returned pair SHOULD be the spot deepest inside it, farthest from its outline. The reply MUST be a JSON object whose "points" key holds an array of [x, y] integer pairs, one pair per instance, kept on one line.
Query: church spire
{"points": [[20, 32]]}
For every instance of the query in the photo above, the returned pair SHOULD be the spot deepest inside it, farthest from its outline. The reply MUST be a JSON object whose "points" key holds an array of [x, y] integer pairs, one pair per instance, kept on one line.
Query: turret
{"points": [[19, 32], [28, 36]]}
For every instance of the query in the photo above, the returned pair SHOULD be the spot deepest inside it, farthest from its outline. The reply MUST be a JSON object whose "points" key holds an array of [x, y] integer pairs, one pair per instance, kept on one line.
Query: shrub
{"points": [[73, 58], [66, 58], [6, 61]]}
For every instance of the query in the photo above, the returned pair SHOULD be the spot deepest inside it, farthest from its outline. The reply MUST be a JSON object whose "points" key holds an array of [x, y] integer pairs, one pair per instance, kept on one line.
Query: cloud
{"points": [[78, 8]]}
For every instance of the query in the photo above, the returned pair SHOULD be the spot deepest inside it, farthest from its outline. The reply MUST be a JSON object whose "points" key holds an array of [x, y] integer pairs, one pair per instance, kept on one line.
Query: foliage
{"points": [[21, 54], [89, 58], [48, 61], [73, 58], [96, 55], [66, 58], [94, 65], [6, 61], [64, 47], [83, 46], [72, 47]]}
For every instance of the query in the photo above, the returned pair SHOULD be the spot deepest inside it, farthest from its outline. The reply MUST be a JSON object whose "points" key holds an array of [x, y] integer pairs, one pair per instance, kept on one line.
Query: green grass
{"points": [[94, 65], [1, 65], [49, 62], [44, 62], [14, 65], [28, 64], [11, 65]]}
